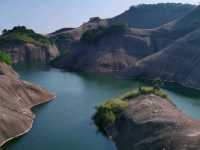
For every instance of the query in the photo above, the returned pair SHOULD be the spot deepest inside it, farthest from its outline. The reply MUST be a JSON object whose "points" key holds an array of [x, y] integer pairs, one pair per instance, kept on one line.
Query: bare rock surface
{"points": [[178, 62], [111, 54], [31, 53], [153, 123], [17, 97]]}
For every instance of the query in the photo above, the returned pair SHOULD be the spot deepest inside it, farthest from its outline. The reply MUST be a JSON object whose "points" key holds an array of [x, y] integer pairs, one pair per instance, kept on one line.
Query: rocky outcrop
{"points": [[154, 123], [17, 97], [65, 37], [8, 71]]}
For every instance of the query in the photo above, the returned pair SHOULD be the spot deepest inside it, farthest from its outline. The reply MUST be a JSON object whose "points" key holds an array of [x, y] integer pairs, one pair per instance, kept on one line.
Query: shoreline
{"points": [[31, 125]]}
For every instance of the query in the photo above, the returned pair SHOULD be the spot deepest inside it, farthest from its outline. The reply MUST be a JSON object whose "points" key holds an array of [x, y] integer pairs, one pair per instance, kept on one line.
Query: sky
{"points": [[45, 16]]}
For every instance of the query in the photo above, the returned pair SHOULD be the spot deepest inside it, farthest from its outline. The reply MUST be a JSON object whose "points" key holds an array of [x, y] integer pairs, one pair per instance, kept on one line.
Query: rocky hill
{"points": [[142, 16], [178, 62], [150, 16], [106, 49], [17, 97], [147, 121], [26, 46], [169, 52], [63, 38], [92, 47]]}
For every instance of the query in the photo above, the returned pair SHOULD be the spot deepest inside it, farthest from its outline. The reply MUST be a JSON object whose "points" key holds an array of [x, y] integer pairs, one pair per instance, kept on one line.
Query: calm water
{"points": [[65, 123]]}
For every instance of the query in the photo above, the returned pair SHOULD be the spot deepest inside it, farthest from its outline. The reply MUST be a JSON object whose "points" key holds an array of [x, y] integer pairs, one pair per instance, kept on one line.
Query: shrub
{"points": [[106, 114], [6, 58], [143, 91]]}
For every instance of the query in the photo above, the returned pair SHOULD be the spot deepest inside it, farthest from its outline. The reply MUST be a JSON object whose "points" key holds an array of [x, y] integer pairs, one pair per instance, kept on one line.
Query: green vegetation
{"points": [[106, 114], [22, 34], [95, 35], [6, 58], [143, 91]]}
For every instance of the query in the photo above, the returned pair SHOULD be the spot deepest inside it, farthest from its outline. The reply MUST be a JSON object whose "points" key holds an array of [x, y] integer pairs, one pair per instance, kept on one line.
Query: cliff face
{"points": [[63, 38], [31, 53], [153, 123], [111, 53], [117, 51], [17, 97], [26, 46]]}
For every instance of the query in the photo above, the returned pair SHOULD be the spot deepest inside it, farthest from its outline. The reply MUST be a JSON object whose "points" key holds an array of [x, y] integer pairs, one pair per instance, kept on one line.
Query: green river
{"points": [[65, 123]]}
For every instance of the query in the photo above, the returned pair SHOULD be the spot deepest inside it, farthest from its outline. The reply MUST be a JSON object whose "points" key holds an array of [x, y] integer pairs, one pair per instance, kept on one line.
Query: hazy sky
{"points": [[48, 15]]}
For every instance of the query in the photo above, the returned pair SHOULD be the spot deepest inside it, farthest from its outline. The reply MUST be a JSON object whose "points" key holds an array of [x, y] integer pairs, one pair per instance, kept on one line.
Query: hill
{"points": [[150, 16], [179, 61], [106, 49], [25, 45]]}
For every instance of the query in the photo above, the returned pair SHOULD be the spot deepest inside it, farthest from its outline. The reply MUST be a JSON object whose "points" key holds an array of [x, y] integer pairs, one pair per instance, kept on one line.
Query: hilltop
{"points": [[148, 16]]}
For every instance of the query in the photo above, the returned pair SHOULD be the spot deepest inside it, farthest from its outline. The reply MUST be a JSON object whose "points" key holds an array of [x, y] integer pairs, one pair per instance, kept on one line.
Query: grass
{"points": [[106, 114], [6, 58], [143, 91]]}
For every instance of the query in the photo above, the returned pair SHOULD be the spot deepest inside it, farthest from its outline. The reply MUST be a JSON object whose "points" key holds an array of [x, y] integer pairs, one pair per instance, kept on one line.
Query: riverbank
{"points": [[17, 99]]}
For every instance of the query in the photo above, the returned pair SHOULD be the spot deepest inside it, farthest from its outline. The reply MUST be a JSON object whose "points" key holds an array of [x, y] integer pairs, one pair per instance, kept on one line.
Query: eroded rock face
{"points": [[111, 54], [154, 123], [31, 53], [178, 62], [17, 97]]}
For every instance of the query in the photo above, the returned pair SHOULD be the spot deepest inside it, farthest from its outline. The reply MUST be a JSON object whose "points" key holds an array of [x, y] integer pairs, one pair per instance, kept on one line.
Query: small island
{"points": [[147, 119]]}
